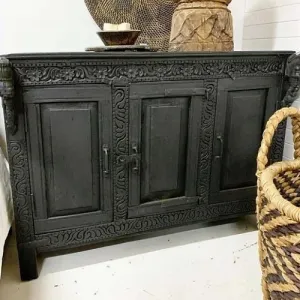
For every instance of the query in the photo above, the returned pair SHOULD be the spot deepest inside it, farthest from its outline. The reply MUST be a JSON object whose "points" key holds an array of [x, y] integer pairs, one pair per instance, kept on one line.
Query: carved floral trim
{"points": [[83, 72]]}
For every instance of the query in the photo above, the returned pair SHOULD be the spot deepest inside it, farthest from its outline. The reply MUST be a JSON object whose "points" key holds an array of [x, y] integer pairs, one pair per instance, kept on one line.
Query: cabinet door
{"points": [[243, 107], [69, 139], [164, 127]]}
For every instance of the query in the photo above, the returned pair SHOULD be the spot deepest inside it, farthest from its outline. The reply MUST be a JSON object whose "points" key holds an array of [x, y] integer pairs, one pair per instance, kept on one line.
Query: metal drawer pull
{"points": [[219, 138], [106, 160], [135, 158]]}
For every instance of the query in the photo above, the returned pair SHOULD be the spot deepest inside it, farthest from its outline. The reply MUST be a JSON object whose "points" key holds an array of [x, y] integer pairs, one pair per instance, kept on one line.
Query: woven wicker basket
{"points": [[278, 213]]}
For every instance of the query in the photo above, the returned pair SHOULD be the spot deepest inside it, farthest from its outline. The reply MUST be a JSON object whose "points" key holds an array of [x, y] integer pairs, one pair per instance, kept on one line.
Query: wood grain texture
{"points": [[201, 25]]}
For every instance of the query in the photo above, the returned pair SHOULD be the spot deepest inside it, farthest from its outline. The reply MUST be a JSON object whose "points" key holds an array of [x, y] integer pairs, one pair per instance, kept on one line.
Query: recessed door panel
{"points": [[243, 107], [70, 141], [164, 138], [245, 116], [165, 123]]}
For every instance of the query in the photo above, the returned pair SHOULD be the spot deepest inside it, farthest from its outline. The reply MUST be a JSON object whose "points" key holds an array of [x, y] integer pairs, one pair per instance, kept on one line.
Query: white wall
{"points": [[46, 26], [237, 8], [64, 25], [273, 25]]}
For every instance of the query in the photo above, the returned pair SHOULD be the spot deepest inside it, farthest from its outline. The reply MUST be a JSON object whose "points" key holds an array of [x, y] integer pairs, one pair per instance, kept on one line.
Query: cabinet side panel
{"points": [[71, 157]]}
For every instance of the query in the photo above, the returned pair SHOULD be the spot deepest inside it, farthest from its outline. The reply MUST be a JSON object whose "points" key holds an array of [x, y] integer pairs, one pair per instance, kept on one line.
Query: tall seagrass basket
{"points": [[278, 213]]}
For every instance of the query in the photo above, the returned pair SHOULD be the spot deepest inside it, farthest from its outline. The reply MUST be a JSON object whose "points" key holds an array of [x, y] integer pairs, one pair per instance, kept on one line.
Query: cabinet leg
{"points": [[28, 263]]}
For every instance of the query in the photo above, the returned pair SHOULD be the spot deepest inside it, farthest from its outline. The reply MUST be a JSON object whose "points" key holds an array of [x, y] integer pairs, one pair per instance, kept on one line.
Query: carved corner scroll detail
{"points": [[293, 73], [83, 235], [7, 94]]}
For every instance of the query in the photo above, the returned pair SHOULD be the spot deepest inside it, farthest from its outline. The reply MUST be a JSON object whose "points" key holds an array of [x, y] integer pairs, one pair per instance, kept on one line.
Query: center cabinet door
{"points": [[164, 143], [69, 132]]}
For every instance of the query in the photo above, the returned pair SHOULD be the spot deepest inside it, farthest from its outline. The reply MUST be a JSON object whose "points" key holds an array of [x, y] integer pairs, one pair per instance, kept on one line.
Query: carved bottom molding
{"points": [[89, 235]]}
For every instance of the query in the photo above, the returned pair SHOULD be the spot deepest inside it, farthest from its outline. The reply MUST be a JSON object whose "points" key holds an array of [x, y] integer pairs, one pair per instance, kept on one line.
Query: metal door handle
{"points": [[135, 158], [131, 160], [220, 139], [106, 160]]}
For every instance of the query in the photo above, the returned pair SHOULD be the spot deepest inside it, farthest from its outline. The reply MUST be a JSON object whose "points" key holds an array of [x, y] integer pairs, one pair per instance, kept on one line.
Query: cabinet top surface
{"points": [[122, 55]]}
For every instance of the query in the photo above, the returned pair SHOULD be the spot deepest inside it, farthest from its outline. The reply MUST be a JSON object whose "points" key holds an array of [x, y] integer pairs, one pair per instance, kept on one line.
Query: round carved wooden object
{"points": [[152, 17], [200, 25]]}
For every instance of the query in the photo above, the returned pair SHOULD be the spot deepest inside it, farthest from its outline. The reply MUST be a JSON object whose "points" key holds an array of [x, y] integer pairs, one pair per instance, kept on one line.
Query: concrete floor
{"points": [[208, 262]]}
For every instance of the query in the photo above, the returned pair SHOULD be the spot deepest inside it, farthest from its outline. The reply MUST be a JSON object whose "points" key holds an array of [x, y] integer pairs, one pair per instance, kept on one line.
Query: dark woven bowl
{"points": [[113, 38], [152, 17]]}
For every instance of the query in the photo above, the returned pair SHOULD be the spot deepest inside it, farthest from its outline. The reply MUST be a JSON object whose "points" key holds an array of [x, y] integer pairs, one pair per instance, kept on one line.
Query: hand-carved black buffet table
{"points": [[107, 145]]}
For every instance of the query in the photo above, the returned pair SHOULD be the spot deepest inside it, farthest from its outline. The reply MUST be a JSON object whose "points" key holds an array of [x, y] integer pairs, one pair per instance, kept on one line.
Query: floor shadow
{"points": [[55, 262], [104, 252]]}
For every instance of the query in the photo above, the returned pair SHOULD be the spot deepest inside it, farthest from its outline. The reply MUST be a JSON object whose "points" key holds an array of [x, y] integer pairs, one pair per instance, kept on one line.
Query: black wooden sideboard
{"points": [[114, 144]]}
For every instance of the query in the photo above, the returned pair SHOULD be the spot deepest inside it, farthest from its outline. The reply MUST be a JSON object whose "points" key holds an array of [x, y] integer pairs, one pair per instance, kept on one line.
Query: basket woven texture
{"points": [[278, 212], [152, 17]]}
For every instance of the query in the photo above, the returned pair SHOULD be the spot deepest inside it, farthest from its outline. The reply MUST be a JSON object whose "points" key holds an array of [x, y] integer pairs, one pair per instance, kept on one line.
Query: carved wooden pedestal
{"points": [[108, 145], [202, 25]]}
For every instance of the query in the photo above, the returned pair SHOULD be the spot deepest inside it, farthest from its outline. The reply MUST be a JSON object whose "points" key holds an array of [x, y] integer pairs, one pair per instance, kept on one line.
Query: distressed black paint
{"points": [[125, 98]]}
